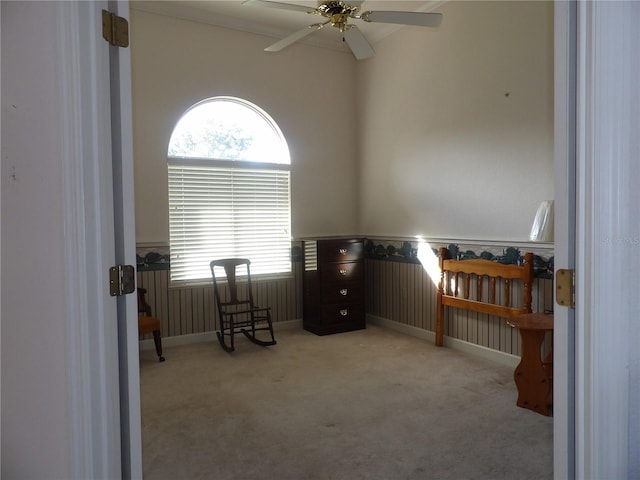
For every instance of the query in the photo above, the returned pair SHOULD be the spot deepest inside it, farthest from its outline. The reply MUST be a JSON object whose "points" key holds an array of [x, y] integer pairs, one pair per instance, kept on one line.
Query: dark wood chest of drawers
{"points": [[334, 296]]}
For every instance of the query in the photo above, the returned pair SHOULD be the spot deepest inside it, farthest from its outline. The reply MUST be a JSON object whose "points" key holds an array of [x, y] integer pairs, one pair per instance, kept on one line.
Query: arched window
{"points": [[229, 172]]}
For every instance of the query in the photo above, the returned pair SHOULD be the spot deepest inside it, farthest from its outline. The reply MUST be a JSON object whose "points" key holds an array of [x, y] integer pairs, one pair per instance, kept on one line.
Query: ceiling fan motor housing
{"points": [[338, 7], [337, 12]]}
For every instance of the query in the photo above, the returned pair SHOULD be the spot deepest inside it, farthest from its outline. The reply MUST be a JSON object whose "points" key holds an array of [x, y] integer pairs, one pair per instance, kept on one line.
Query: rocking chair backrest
{"points": [[230, 266]]}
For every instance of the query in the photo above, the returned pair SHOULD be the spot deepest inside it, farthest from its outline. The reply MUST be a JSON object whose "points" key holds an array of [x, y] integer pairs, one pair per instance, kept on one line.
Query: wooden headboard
{"points": [[456, 290]]}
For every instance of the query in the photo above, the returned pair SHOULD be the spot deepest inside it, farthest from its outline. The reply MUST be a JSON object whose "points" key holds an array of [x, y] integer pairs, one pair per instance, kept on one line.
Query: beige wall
{"points": [[420, 139], [308, 91], [443, 151]]}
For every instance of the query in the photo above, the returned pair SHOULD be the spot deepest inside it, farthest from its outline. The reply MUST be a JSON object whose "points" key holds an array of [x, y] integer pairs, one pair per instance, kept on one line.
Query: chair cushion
{"points": [[147, 324]]}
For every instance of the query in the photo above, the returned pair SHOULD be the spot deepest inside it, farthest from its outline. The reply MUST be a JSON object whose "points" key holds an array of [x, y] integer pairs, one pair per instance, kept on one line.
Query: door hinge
{"points": [[122, 280], [115, 29], [565, 288]]}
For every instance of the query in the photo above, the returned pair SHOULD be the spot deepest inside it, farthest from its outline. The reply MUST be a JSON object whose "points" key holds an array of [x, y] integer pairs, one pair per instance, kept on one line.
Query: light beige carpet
{"points": [[371, 404]]}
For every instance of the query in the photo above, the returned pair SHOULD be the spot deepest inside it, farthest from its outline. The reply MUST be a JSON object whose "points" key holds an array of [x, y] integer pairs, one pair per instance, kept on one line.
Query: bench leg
{"points": [[531, 377], [158, 341]]}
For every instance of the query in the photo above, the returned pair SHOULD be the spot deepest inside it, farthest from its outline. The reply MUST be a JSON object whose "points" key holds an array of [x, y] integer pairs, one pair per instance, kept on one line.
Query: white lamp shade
{"points": [[542, 229]]}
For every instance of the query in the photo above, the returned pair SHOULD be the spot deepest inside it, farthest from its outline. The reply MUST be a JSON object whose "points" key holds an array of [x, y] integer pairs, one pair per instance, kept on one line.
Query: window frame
{"points": [[229, 166]]}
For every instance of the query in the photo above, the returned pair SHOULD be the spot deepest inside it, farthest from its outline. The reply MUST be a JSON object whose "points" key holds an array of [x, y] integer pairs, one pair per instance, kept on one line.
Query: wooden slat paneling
{"points": [[397, 291], [404, 293], [188, 310]]}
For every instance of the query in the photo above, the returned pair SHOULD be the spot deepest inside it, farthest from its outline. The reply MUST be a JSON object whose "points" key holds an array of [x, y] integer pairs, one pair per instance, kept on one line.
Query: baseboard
{"points": [[204, 337], [453, 343]]}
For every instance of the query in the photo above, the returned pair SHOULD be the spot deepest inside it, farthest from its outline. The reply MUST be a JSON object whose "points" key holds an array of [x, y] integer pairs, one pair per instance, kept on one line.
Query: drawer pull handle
{"points": [[343, 292], [343, 251], [344, 312], [343, 271]]}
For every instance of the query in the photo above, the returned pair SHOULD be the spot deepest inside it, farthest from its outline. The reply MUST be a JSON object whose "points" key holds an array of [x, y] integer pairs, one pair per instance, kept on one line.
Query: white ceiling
{"points": [[278, 23]]}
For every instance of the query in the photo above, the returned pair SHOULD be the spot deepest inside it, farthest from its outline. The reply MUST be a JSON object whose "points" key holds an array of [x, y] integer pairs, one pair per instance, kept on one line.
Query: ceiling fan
{"points": [[338, 13]]}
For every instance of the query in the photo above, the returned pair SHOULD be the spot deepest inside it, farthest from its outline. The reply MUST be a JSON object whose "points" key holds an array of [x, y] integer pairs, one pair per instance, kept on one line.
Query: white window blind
{"points": [[227, 209]]}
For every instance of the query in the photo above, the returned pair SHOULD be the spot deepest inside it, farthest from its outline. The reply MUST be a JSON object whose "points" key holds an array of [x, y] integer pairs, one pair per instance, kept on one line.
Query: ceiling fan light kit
{"points": [[338, 13]]}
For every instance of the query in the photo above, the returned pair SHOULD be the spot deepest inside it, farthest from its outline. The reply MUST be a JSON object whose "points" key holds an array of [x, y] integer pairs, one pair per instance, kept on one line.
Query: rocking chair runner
{"points": [[239, 313]]}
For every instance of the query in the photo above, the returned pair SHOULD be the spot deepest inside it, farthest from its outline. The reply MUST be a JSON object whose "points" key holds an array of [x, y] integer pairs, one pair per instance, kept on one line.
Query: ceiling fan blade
{"points": [[294, 37], [281, 5], [358, 43], [422, 19]]}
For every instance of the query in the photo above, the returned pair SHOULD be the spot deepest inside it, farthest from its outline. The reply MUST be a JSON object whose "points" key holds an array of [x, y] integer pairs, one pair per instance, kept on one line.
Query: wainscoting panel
{"points": [[402, 291], [188, 310], [398, 289]]}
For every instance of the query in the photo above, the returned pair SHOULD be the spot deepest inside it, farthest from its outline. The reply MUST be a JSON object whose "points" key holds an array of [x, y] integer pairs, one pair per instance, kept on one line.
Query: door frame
{"points": [[125, 249], [598, 206], [564, 233], [607, 237], [83, 67], [105, 429]]}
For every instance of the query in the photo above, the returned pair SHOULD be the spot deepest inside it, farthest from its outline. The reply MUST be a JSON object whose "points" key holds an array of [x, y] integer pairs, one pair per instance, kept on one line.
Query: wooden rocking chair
{"points": [[238, 312]]}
